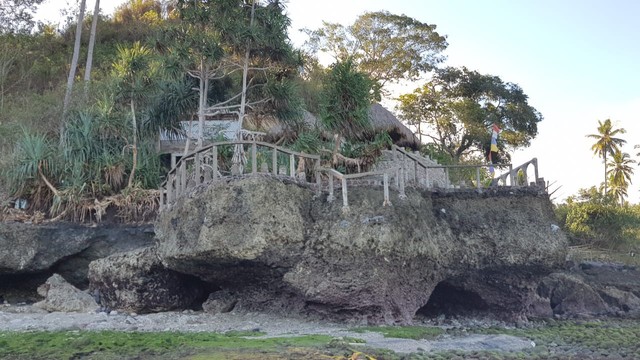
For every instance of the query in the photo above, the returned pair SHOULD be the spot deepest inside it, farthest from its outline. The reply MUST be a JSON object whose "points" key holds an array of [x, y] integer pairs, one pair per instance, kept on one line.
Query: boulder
{"points": [[220, 302], [64, 248], [570, 296], [280, 248], [593, 289], [61, 296], [137, 281]]}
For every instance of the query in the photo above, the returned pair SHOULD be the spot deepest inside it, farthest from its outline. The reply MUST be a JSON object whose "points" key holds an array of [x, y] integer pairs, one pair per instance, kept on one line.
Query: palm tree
{"points": [[606, 143], [72, 69], [135, 73], [92, 42], [620, 174]]}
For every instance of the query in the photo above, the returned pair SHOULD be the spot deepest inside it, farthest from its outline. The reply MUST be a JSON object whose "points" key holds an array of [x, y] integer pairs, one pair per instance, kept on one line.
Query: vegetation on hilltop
{"points": [[153, 69]]}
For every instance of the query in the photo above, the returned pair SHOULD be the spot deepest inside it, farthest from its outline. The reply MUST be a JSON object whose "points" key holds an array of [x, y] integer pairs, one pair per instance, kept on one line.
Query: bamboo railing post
{"points": [[197, 170], [385, 181], [446, 177], [345, 200], [170, 192], [183, 177], [214, 163], [330, 198], [292, 166], [402, 193], [426, 177], [478, 177], [511, 176], [254, 158], [274, 161], [318, 178]]}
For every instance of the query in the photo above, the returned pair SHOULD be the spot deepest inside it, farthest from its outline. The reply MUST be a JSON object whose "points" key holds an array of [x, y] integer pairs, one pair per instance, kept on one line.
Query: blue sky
{"points": [[577, 61]]}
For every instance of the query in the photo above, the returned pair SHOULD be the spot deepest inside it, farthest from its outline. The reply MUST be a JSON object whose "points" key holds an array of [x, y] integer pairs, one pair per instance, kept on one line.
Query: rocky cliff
{"points": [[278, 248]]}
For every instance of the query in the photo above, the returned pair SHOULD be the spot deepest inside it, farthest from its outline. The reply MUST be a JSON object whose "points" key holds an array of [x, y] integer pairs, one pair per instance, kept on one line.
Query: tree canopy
{"points": [[606, 143], [16, 16], [386, 46], [458, 107]]}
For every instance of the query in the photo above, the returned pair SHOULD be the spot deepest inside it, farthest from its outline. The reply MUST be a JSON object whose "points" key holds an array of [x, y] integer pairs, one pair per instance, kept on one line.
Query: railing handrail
{"points": [[205, 168], [240, 142]]}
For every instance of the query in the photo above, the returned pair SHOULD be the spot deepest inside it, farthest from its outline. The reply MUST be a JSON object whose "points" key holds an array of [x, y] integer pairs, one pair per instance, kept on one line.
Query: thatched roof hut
{"points": [[381, 120]]}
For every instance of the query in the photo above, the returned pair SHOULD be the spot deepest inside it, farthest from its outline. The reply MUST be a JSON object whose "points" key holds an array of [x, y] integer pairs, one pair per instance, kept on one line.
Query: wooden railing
{"points": [[344, 178], [512, 175], [407, 160], [202, 166]]}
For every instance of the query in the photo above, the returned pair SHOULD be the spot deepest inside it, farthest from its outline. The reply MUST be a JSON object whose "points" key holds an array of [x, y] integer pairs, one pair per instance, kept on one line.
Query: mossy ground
{"points": [[612, 339]]}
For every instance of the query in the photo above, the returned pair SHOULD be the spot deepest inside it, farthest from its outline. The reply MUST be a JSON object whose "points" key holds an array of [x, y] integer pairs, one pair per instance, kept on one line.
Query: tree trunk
{"points": [[92, 42], [134, 149], [201, 104], [604, 156], [245, 71], [72, 69]]}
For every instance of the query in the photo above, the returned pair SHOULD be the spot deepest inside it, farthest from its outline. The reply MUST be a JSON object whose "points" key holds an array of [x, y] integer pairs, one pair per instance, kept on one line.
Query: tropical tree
{"points": [[16, 16], [92, 42], [458, 107], [72, 68], [135, 74], [620, 172], [385, 46], [345, 100], [606, 143]]}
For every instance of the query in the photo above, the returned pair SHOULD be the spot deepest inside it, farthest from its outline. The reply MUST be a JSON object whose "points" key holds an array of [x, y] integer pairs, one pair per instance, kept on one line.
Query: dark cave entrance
{"points": [[449, 300]]}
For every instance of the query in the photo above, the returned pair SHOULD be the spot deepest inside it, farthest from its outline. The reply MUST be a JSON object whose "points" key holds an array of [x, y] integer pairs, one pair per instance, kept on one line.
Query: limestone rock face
{"points": [[220, 302], [59, 295], [64, 248], [279, 248], [593, 289], [136, 281]]}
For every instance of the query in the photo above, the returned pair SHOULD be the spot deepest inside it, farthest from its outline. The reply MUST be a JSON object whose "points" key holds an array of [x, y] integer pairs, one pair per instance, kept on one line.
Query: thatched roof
{"points": [[383, 119]]}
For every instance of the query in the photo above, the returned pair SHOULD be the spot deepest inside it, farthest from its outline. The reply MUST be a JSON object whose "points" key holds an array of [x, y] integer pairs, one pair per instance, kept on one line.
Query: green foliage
{"points": [[16, 16], [129, 345], [459, 106], [606, 144], [385, 46], [591, 218], [405, 332], [345, 100]]}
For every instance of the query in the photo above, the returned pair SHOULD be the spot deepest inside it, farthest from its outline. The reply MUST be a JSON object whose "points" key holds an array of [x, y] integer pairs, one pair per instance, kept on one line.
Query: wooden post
{"points": [[162, 199], [214, 163], [511, 176], [385, 181], [197, 165], [173, 160], [446, 177], [330, 198], [345, 200], [170, 183], [478, 177], [402, 194], [254, 158], [426, 177], [274, 161], [535, 169], [292, 166], [318, 178], [183, 174]]}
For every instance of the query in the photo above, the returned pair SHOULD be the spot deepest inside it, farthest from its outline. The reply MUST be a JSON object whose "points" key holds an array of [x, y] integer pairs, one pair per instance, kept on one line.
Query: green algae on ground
{"points": [[140, 345], [404, 332]]}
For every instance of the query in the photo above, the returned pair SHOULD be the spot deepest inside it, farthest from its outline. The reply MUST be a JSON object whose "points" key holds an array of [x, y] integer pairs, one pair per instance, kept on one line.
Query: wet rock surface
{"points": [[593, 289], [280, 249], [137, 281]]}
